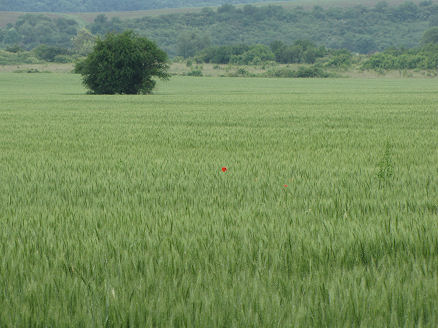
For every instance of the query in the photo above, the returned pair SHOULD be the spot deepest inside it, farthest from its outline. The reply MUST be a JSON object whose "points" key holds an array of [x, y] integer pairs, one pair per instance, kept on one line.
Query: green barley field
{"points": [[114, 210]]}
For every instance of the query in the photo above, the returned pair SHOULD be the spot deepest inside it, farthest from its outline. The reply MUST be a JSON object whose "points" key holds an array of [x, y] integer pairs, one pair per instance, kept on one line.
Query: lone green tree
{"points": [[123, 64]]}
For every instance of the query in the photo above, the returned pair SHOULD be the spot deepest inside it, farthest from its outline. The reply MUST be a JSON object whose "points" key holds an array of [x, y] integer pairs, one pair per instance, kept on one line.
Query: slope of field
{"points": [[115, 210]]}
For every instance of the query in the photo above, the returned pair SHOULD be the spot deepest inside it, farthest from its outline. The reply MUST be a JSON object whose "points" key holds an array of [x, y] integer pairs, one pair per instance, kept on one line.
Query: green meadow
{"points": [[114, 210]]}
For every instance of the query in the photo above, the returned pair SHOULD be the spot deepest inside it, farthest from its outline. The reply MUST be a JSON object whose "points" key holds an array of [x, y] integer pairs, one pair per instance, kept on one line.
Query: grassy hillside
{"points": [[115, 210]]}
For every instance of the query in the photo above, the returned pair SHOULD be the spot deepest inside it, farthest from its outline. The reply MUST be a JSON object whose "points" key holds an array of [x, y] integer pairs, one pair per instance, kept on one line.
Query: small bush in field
{"points": [[123, 64]]}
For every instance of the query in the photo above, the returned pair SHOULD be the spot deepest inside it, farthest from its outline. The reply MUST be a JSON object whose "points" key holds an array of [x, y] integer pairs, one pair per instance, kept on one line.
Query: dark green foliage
{"points": [[339, 59], [190, 43], [222, 54], [314, 71], [256, 55], [430, 36], [11, 36], [358, 29], [195, 72], [15, 48], [425, 57], [19, 57], [242, 72], [124, 64], [49, 53], [302, 51], [281, 72], [31, 30]]}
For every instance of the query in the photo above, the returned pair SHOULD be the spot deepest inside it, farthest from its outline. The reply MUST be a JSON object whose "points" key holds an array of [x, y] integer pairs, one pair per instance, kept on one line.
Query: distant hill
{"points": [[108, 5], [358, 28], [94, 6]]}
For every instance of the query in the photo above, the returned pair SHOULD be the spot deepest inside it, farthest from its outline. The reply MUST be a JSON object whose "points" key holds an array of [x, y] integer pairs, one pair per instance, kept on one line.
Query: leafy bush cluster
{"points": [[255, 55], [195, 72], [31, 30], [340, 58], [425, 57], [241, 54], [52, 54], [313, 71], [123, 64], [19, 57], [302, 51]]}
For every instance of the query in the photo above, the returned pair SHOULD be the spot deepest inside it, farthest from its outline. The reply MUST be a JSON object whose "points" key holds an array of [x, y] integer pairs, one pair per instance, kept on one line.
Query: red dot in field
{"points": [[224, 169], [285, 186]]}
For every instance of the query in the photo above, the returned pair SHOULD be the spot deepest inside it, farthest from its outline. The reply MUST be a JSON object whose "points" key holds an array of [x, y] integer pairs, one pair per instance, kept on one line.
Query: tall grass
{"points": [[115, 211]]}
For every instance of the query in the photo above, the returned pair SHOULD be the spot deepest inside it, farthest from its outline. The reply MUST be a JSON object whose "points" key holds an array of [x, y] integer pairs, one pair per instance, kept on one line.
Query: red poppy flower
{"points": [[224, 169], [285, 186]]}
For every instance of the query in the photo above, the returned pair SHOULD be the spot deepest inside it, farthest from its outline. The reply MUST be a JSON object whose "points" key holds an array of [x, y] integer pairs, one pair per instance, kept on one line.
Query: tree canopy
{"points": [[123, 64], [362, 29], [430, 36]]}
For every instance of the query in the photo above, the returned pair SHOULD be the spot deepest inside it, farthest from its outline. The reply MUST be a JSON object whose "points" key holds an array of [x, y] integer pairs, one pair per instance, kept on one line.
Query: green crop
{"points": [[115, 211]]}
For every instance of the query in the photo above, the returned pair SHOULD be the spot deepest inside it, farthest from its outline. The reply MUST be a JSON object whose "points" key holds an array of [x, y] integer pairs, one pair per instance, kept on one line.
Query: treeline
{"points": [[301, 36], [359, 29], [317, 58], [425, 58], [108, 5], [300, 52], [31, 30]]}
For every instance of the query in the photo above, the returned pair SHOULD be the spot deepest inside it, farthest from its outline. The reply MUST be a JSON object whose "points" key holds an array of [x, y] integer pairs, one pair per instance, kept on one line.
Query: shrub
{"points": [[280, 72], [195, 72], [14, 49], [303, 72], [255, 56], [49, 53], [340, 59], [123, 63], [312, 71]]}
